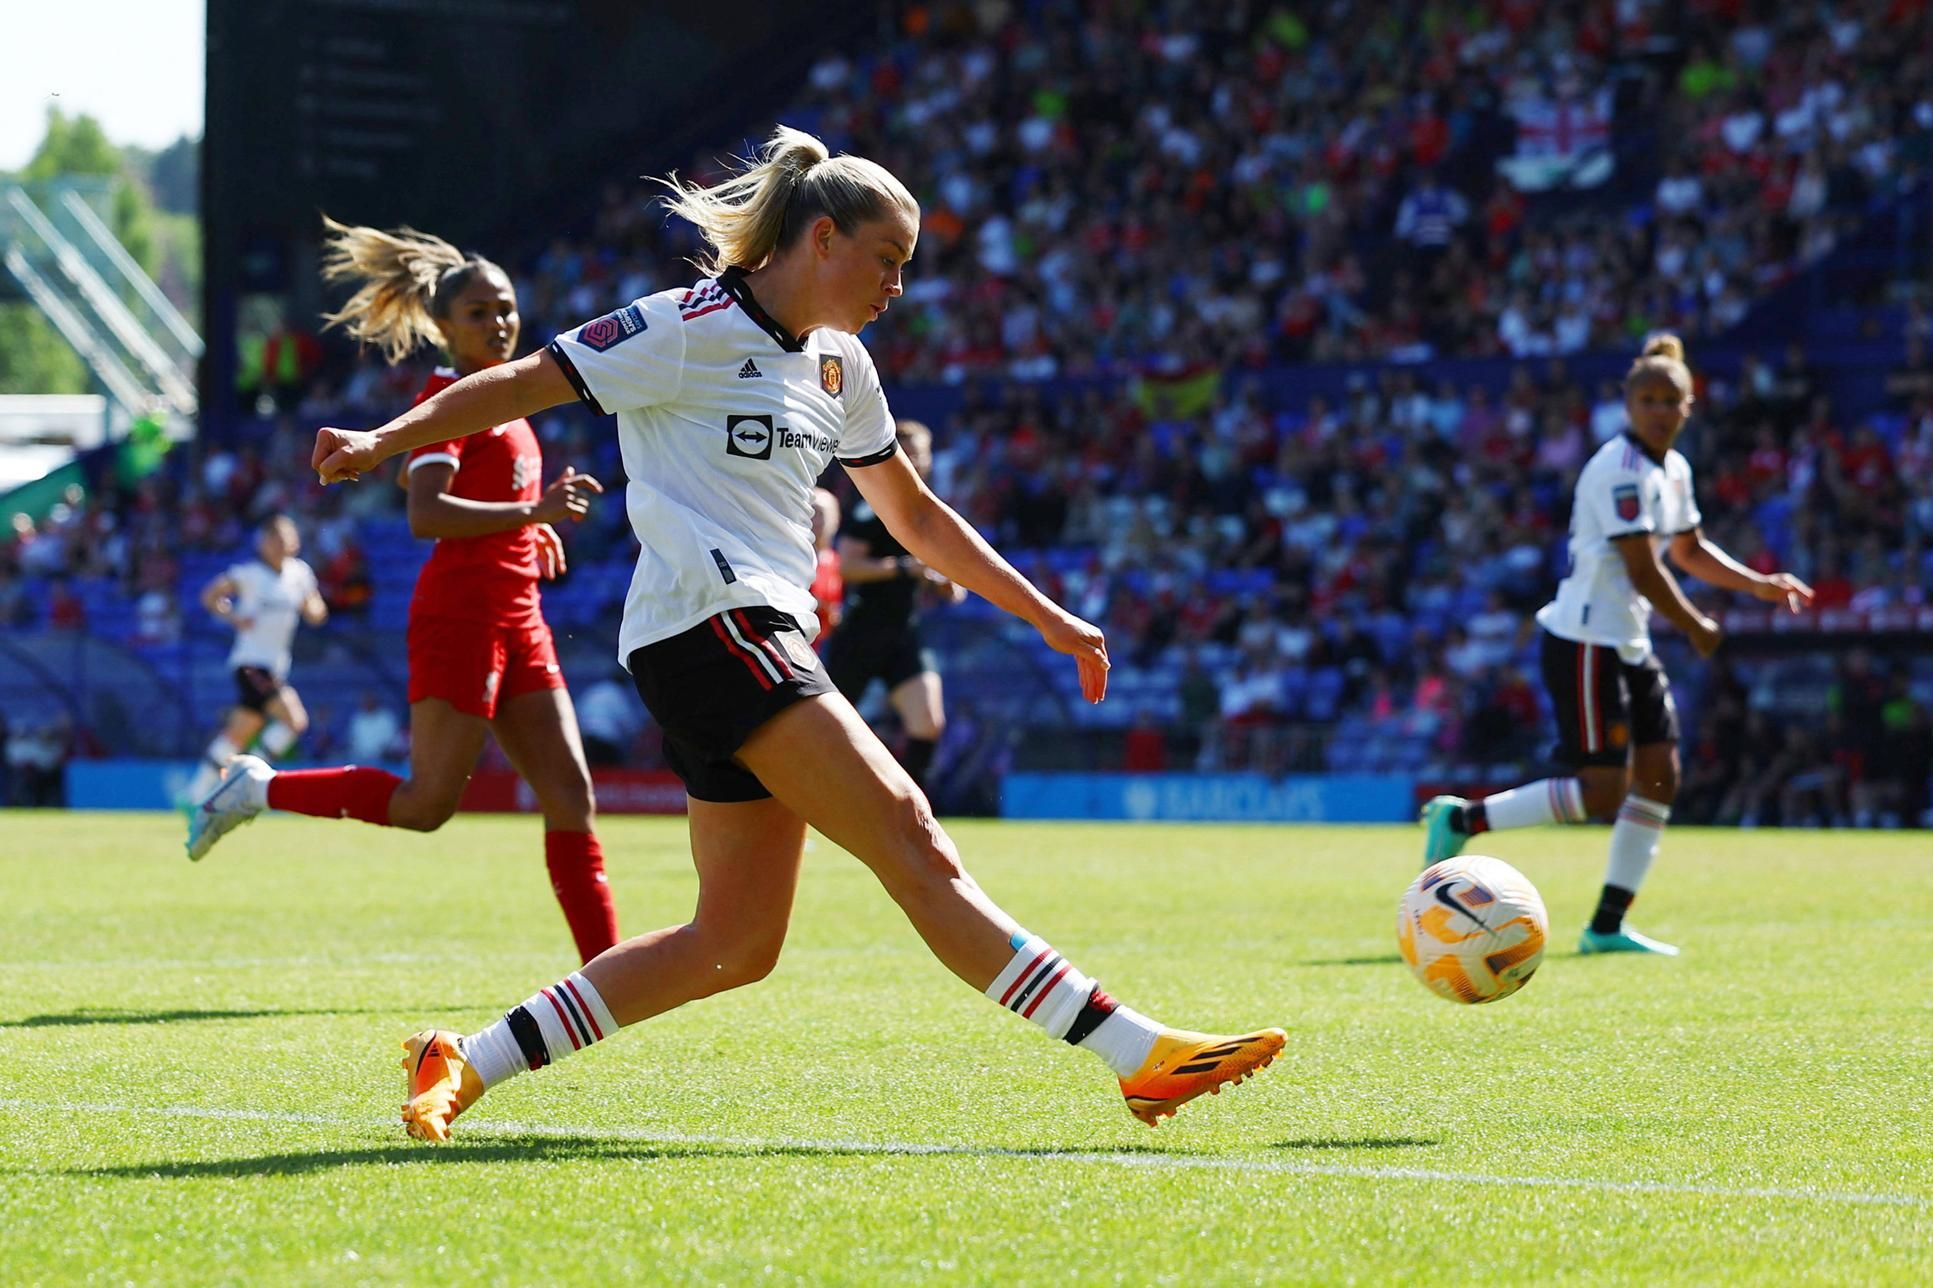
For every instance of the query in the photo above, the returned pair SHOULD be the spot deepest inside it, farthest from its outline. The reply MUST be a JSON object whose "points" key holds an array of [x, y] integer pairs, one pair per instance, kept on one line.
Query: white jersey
{"points": [[271, 603], [1621, 491], [725, 422]]}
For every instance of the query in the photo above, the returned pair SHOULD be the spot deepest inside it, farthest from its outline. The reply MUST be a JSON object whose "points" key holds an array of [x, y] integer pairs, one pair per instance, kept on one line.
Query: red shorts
{"points": [[475, 665]]}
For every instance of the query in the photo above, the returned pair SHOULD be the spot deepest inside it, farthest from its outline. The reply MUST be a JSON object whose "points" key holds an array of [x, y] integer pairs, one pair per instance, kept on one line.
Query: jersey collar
{"points": [[1640, 444], [733, 281]]}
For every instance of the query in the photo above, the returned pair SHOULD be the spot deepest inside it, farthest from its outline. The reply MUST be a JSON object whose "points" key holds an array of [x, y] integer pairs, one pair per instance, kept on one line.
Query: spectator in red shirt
{"points": [[1830, 588], [1865, 462], [64, 610]]}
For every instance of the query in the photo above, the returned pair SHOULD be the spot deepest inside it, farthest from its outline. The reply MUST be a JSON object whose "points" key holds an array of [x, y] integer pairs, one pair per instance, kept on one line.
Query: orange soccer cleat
{"points": [[441, 1083], [1183, 1065]]}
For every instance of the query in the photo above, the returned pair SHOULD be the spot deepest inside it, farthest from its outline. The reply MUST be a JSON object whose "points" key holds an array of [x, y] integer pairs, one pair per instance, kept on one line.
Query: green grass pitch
{"points": [[198, 1070]]}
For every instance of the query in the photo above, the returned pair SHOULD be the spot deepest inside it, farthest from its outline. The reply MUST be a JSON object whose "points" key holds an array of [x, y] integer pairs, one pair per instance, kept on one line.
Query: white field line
{"points": [[1189, 1162]]}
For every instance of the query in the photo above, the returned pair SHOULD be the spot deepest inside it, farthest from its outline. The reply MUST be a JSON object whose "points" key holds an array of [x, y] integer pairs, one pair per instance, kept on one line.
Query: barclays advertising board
{"points": [[1218, 798]]}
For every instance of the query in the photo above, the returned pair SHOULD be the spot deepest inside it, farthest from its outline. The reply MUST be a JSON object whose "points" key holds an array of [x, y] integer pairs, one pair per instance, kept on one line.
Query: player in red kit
{"points": [[481, 658], [828, 582]]}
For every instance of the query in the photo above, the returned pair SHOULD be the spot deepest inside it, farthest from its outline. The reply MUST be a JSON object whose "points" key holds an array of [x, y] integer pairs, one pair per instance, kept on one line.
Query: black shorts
{"points": [[256, 687], [710, 686], [857, 654], [1605, 706]]}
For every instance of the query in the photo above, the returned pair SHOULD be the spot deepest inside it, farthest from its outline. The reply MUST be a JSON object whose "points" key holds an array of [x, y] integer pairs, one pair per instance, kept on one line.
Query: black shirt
{"points": [[891, 604]]}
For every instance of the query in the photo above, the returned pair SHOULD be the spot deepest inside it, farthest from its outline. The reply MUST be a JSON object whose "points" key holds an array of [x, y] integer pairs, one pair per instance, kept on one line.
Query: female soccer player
{"points": [[481, 659], [263, 600], [730, 398], [880, 636], [1615, 718]]}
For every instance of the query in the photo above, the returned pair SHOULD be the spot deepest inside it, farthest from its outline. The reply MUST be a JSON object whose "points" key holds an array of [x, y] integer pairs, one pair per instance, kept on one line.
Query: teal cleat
{"points": [[1622, 940], [239, 796], [1442, 841]]}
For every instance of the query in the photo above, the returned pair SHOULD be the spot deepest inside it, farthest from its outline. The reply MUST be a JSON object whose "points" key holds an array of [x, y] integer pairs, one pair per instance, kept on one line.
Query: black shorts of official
{"points": [[1605, 706], [710, 686], [255, 688], [857, 654]]}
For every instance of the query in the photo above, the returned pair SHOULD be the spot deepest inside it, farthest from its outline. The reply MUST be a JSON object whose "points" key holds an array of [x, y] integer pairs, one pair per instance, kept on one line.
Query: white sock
{"points": [[549, 1025], [278, 738], [494, 1054], [1634, 842], [1039, 984], [1548, 800], [1123, 1040]]}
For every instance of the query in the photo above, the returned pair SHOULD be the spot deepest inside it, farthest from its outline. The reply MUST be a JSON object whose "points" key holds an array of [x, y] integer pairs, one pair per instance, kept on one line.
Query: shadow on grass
{"points": [[1360, 1142], [1385, 959], [557, 1149], [121, 1015]]}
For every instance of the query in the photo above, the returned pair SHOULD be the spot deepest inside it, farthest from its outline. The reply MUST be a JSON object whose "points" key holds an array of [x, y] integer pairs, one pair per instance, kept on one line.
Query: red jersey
{"points": [[492, 578], [828, 591]]}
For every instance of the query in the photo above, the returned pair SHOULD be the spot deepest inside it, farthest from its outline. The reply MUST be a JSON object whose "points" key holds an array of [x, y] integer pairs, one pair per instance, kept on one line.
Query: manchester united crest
{"points": [[832, 374]]}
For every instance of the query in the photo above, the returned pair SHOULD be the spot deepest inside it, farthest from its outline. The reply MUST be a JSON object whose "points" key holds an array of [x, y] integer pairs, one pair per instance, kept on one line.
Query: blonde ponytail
{"points": [[1663, 358], [403, 282], [1665, 345], [774, 197]]}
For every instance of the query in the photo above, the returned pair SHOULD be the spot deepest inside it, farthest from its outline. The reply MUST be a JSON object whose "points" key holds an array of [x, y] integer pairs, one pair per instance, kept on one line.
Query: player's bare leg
{"points": [[1641, 801], [819, 757], [922, 714], [288, 721], [444, 744], [747, 855]]}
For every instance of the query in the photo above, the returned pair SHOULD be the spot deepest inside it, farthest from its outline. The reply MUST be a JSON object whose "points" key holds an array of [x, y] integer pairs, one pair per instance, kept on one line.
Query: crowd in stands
{"points": [[1179, 211], [1254, 184]]}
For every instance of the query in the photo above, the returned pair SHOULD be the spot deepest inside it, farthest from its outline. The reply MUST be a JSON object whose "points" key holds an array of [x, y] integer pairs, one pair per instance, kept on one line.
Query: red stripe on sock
{"points": [[590, 1017], [1058, 976], [352, 791], [1015, 986], [576, 864], [564, 1019]]}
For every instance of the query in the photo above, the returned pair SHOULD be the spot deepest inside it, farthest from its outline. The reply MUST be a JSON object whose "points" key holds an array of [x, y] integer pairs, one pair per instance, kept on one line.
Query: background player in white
{"points": [[1616, 721], [263, 599], [731, 398]]}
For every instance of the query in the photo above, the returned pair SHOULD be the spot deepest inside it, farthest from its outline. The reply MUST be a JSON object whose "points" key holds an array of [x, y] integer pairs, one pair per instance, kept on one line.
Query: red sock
{"points": [[349, 792], [576, 864]]}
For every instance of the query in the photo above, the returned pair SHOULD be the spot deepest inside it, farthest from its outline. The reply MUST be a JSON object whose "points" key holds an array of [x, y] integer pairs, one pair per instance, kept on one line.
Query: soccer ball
{"points": [[1472, 928]]}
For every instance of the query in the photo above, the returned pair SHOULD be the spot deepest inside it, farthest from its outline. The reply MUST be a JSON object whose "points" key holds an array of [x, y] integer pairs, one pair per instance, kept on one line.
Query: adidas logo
{"points": [[749, 371]]}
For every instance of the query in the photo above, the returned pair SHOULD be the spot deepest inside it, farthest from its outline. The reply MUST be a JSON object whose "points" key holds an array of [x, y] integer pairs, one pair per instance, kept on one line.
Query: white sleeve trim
{"points": [[434, 458]]}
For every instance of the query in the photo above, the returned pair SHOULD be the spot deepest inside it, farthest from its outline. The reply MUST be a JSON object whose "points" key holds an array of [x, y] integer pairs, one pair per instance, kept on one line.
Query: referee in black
{"points": [[879, 637]]}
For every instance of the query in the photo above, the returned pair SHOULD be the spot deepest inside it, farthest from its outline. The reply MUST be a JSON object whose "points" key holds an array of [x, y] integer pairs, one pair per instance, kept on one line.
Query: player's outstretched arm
{"points": [[943, 541], [1650, 578], [493, 396], [218, 597], [1707, 561]]}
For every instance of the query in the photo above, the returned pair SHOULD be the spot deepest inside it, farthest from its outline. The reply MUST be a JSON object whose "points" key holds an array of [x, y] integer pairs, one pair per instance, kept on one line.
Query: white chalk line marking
{"points": [[1190, 1162]]}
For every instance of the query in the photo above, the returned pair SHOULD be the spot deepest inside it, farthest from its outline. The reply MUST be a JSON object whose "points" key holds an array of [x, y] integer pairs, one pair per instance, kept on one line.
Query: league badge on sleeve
{"points": [[612, 328], [1626, 497], [832, 374]]}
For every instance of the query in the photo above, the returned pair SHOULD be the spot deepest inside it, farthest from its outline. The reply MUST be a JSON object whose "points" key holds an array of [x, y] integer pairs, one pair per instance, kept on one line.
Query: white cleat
{"points": [[241, 794]]}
